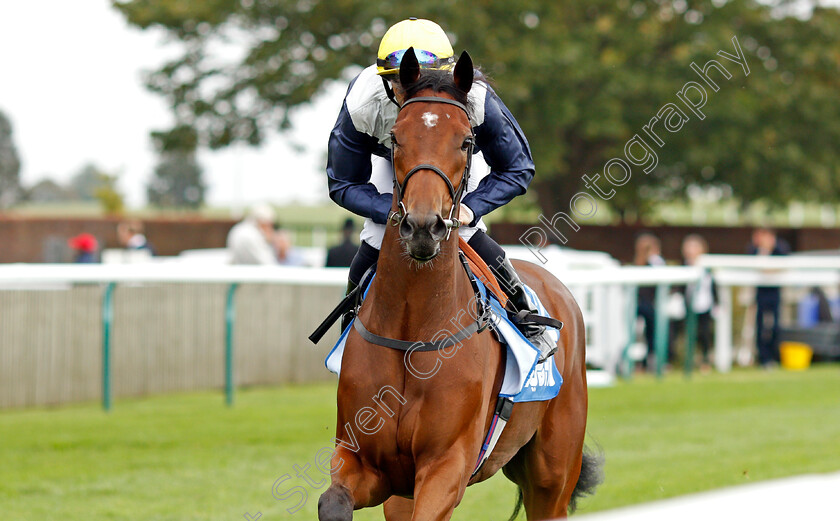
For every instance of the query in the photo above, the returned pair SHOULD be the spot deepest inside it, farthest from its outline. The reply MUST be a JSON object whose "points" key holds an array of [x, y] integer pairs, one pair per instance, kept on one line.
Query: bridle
{"points": [[483, 310], [396, 217]]}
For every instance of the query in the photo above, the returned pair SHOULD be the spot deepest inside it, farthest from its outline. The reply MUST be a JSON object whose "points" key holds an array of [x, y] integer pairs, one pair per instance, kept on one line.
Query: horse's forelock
{"points": [[437, 81]]}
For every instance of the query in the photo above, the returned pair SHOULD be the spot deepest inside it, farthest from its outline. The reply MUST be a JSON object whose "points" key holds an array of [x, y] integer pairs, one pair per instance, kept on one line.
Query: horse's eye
{"points": [[394, 140], [466, 144]]}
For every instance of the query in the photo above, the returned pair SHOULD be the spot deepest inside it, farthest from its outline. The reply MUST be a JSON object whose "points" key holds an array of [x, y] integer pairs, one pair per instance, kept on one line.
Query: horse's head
{"points": [[432, 143]]}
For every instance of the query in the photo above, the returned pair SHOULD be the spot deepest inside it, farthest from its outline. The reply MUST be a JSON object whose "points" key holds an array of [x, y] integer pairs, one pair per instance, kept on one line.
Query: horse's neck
{"points": [[410, 299]]}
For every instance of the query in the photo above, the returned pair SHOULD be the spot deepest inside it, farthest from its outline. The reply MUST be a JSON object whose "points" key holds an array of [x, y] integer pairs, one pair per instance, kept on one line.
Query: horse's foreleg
{"points": [[399, 509], [353, 486], [439, 487]]}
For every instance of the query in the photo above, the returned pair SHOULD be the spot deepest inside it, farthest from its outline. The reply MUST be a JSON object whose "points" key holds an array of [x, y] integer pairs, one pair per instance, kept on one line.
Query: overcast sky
{"points": [[71, 85]]}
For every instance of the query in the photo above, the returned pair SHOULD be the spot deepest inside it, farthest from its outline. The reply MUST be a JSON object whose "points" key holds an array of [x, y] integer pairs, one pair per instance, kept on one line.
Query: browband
{"points": [[434, 99]]}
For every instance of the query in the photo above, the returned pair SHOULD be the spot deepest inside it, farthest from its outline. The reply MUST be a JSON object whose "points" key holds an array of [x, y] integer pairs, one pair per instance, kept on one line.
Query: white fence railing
{"points": [[730, 271], [168, 326], [78, 332], [145, 328]]}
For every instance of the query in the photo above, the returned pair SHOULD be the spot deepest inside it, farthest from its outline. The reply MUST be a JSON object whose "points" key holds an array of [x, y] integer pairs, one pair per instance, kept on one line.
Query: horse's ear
{"points": [[463, 72], [409, 68]]}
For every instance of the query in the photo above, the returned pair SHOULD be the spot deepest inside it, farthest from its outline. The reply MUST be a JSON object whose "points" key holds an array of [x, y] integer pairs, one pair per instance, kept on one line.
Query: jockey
{"points": [[364, 185]]}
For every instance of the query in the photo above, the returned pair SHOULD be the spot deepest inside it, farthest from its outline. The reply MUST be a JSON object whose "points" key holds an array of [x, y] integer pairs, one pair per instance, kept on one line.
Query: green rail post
{"points": [[107, 321], [660, 339], [626, 362], [230, 317], [691, 328]]}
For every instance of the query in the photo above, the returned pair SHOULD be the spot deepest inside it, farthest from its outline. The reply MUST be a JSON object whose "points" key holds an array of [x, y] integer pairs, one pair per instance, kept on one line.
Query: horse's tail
{"points": [[518, 506], [591, 475]]}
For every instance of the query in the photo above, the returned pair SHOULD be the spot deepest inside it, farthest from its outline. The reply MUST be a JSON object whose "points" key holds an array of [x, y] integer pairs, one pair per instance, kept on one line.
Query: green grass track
{"points": [[188, 457]]}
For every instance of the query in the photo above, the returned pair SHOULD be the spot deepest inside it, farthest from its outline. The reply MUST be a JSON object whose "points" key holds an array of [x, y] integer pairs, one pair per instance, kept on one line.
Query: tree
{"points": [[92, 183], [582, 78], [87, 181], [177, 181], [108, 195], [9, 165], [48, 191]]}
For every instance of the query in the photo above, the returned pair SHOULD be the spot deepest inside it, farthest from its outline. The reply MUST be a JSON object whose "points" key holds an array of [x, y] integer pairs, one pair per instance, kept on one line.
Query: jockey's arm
{"points": [[349, 168], [507, 153]]}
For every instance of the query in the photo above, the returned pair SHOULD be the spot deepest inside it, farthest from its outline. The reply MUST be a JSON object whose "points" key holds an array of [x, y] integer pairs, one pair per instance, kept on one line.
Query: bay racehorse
{"points": [[416, 452]]}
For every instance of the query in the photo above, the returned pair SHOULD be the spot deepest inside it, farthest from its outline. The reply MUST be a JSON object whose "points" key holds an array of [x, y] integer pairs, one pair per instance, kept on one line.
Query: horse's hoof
{"points": [[335, 504]]}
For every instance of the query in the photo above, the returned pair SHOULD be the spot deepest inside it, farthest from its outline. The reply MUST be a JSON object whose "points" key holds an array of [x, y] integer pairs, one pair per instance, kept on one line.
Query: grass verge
{"points": [[187, 457]]}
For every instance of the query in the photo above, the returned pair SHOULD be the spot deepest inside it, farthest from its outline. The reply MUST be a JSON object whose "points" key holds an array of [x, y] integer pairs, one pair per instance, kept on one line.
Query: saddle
{"points": [[483, 272]]}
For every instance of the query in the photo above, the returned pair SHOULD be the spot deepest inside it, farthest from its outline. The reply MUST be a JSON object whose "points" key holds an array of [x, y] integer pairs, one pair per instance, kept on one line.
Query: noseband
{"points": [[396, 217]]}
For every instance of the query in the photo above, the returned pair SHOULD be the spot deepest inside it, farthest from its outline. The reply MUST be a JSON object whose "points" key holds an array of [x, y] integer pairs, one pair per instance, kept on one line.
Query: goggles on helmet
{"points": [[427, 60]]}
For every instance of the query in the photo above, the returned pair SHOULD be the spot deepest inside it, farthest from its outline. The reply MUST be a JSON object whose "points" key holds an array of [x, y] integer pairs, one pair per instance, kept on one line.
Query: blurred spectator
{"points": [[767, 299], [648, 250], [341, 255], [700, 298], [648, 253], [251, 240], [130, 235], [85, 247], [287, 254], [824, 313]]}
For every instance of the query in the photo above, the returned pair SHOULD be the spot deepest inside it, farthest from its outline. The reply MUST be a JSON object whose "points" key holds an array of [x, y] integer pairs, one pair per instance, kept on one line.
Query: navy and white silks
{"points": [[363, 184]]}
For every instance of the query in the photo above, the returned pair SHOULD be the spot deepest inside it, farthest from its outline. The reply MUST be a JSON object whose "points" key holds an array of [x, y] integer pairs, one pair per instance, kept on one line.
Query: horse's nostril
{"points": [[438, 228], [407, 227], [432, 226]]}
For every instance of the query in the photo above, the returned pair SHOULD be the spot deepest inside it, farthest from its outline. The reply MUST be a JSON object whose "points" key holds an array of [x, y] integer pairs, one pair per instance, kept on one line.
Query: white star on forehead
{"points": [[430, 119]]}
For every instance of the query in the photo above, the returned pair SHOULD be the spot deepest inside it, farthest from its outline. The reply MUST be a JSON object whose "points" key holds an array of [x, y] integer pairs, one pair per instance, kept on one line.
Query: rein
{"points": [[483, 313], [396, 217]]}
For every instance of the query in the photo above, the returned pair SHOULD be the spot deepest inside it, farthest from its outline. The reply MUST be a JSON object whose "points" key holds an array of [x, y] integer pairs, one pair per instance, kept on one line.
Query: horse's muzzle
{"points": [[422, 236]]}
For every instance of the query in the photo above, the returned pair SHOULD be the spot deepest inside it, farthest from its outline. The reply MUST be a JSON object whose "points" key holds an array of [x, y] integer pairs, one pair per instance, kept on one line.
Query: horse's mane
{"points": [[441, 81]]}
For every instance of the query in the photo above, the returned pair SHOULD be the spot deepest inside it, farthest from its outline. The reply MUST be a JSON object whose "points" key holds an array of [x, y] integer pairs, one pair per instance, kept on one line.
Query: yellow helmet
{"points": [[431, 45]]}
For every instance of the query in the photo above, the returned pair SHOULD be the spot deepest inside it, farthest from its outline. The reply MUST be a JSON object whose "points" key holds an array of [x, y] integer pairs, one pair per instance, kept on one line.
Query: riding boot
{"points": [[348, 317], [515, 290]]}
